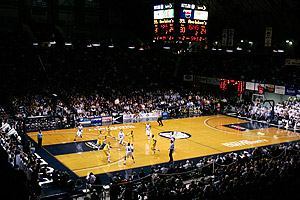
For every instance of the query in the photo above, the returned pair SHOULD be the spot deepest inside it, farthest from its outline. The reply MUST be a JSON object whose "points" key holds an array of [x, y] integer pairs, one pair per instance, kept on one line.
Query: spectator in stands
{"points": [[142, 173], [90, 178]]}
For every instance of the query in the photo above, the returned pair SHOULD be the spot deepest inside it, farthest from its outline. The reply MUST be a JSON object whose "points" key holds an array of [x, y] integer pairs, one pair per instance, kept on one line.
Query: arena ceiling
{"points": [[249, 18]]}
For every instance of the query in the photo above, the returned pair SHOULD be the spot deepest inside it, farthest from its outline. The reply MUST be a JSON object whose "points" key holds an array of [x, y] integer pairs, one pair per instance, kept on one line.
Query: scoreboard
{"points": [[186, 22], [237, 86], [164, 21], [192, 22]]}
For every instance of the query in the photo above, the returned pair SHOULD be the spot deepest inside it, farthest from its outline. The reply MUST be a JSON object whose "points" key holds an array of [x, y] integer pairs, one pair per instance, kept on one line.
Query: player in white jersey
{"points": [[129, 149], [79, 132], [148, 130], [297, 123], [121, 139]]}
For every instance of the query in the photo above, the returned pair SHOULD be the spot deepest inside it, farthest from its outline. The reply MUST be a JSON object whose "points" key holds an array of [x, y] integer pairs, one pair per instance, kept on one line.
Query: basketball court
{"points": [[200, 136]]}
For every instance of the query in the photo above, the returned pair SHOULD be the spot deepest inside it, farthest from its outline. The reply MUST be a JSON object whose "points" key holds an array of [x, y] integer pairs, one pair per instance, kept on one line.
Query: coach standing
{"points": [[40, 139], [171, 149]]}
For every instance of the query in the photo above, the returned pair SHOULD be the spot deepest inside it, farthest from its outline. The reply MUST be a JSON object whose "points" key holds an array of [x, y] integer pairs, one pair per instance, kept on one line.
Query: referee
{"points": [[40, 139], [171, 150], [159, 120]]}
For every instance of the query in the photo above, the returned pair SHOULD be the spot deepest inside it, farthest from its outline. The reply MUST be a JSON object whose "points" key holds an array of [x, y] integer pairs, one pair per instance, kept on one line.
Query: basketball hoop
{"points": [[258, 99], [256, 103]]}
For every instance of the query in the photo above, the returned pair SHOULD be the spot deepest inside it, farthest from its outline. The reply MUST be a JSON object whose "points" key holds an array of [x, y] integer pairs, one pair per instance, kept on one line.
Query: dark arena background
{"points": [[148, 99]]}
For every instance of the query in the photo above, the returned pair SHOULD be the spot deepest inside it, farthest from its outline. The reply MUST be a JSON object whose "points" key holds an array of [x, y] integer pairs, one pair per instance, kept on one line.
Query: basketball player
{"points": [[131, 138], [108, 133], [79, 132], [137, 117], [154, 144], [106, 150], [121, 139], [148, 130], [100, 140], [297, 123], [129, 149]]}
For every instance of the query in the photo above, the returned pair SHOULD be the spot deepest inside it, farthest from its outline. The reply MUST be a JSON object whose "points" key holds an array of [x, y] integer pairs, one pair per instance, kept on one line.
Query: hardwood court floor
{"points": [[209, 135]]}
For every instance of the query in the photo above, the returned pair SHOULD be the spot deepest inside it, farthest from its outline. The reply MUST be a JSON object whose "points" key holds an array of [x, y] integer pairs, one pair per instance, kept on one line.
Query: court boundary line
{"points": [[158, 128], [61, 133], [120, 160], [223, 116], [100, 166], [53, 157], [204, 145]]}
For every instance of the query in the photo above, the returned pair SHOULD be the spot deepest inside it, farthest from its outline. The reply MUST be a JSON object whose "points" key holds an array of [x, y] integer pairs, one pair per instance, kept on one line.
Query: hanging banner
{"points": [[216, 81], [279, 89], [224, 38], [290, 91], [230, 37], [270, 88], [203, 79], [294, 62], [210, 80], [249, 86], [188, 78], [197, 79], [268, 37]]}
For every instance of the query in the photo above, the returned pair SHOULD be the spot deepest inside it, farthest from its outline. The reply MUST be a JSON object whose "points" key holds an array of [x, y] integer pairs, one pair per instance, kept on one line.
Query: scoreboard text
{"points": [[164, 21], [189, 25]]}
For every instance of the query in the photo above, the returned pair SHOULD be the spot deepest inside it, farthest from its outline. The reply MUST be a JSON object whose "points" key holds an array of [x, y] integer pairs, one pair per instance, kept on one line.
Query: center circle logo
{"points": [[178, 134]]}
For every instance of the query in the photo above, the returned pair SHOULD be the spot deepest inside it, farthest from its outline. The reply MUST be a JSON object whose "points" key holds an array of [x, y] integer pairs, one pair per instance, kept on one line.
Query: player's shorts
{"points": [[99, 142], [130, 141], [79, 133], [148, 132], [121, 141], [128, 154], [152, 147], [107, 153]]}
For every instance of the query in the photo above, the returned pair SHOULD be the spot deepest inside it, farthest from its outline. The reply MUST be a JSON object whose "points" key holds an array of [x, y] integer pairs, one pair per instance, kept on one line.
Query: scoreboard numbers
{"points": [[184, 22], [193, 18], [164, 22]]}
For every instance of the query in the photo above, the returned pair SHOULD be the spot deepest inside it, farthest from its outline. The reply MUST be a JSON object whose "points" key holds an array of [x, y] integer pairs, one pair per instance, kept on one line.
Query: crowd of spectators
{"points": [[105, 104], [44, 114], [286, 113], [268, 172], [100, 82], [261, 173], [96, 82], [243, 67], [24, 170], [22, 167]]}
